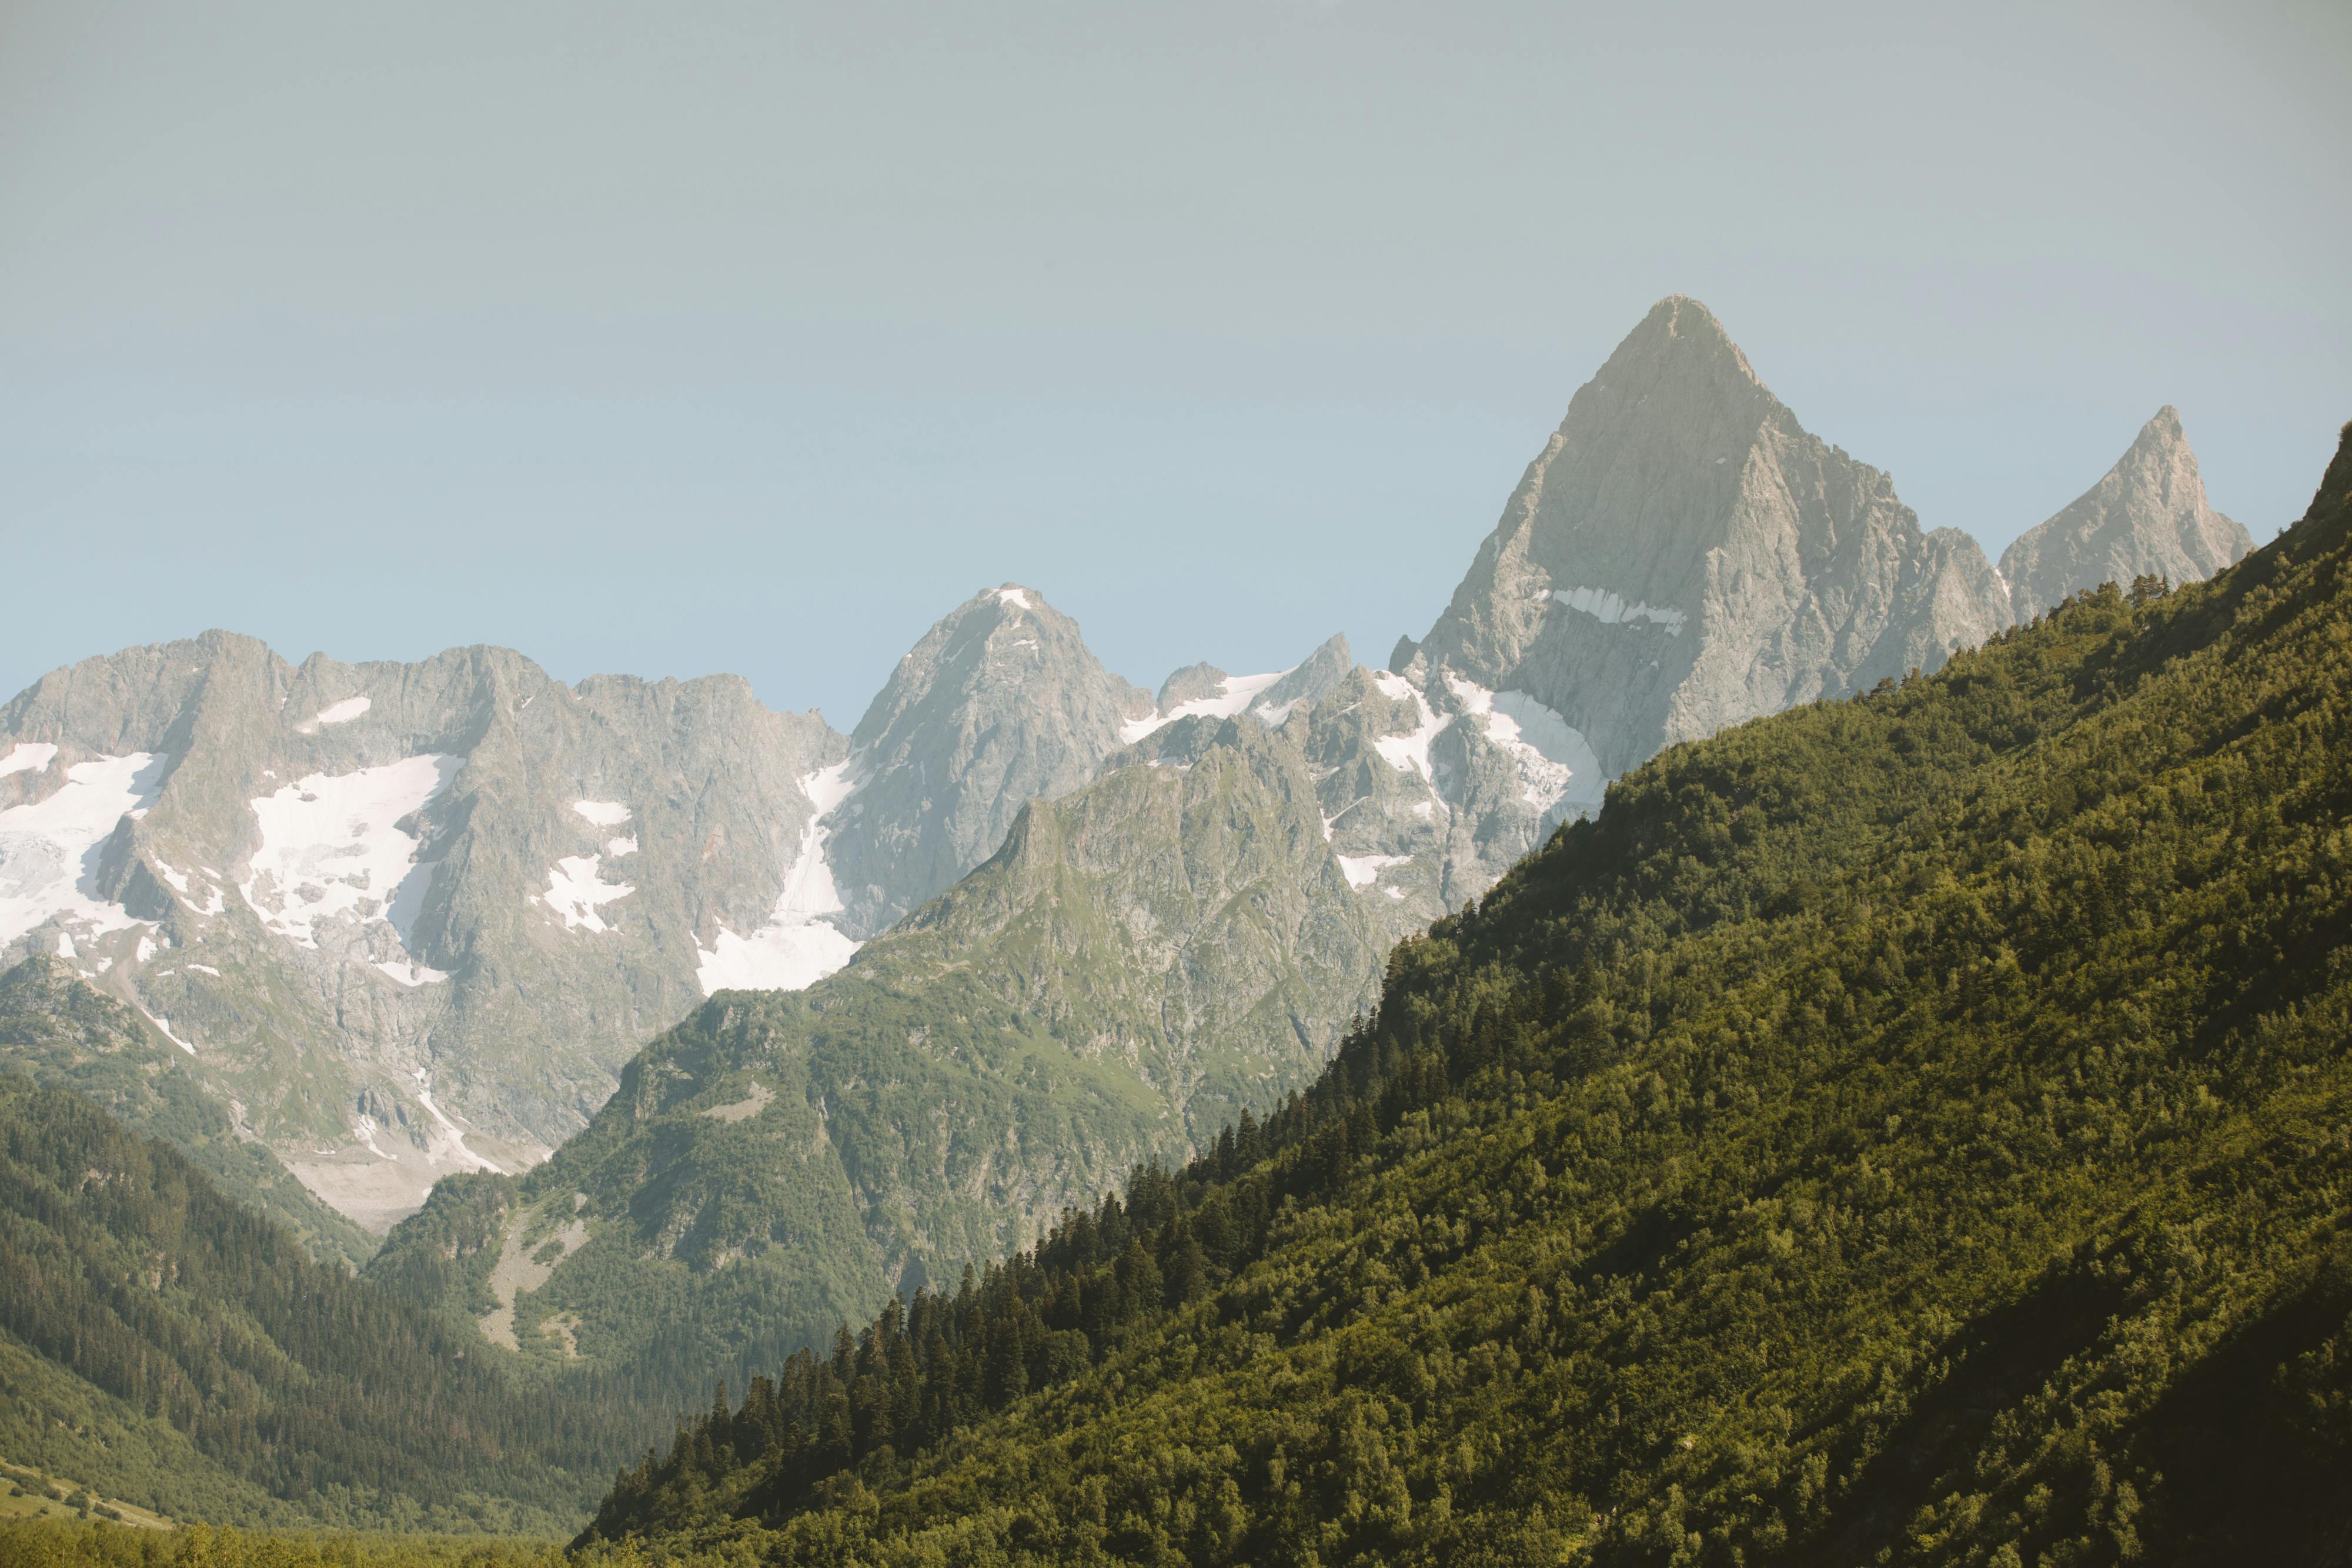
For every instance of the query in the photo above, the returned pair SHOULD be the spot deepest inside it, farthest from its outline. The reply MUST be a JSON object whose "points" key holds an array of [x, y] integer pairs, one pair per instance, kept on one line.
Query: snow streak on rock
{"points": [[797, 945]]}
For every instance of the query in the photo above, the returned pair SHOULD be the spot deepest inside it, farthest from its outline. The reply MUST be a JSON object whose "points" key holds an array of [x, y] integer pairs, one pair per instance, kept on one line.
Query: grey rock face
{"points": [[2148, 516], [1682, 555], [409, 918], [999, 704]]}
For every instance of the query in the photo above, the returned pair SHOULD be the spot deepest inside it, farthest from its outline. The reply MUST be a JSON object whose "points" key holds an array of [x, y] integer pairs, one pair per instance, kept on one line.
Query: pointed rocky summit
{"points": [[1682, 555], [2147, 518], [999, 703]]}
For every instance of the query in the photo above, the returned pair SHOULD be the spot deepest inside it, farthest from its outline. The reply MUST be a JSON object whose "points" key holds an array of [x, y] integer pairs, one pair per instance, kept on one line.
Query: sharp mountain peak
{"points": [[2148, 515]]}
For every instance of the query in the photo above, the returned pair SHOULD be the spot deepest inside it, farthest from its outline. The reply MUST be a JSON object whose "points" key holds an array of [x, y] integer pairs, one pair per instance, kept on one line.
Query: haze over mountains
{"points": [[403, 920]]}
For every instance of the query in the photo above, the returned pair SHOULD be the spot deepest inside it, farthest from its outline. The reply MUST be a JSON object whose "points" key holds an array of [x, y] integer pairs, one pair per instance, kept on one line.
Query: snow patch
{"points": [[330, 846], [410, 975], [457, 1152], [616, 848], [205, 969], [178, 879], [1234, 694], [1362, 870], [28, 757], [1612, 609], [603, 813], [574, 890], [343, 712], [1015, 597], [1554, 760], [163, 1026], [50, 850], [829, 786], [1410, 753], [796, 947], [365, 1128]]}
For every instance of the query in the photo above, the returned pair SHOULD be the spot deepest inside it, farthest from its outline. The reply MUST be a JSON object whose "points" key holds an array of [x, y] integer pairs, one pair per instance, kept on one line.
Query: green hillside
{"points": [[55, 1030], [166, 1345], [1141, 959], [1915, 1129]]}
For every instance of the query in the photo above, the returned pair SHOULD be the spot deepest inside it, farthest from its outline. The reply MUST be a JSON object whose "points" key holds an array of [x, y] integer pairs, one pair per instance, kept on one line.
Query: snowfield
{"points": [[50, 850], [330, 847]]}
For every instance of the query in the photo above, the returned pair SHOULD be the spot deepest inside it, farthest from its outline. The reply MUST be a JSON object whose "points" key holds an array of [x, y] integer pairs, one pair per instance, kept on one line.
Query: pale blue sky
{"points": [[752, 337]]}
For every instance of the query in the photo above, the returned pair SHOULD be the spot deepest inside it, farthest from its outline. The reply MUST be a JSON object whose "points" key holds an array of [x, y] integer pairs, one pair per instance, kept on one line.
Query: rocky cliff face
{"points": [[2148, 516], [409, 918], [1683, 555]]}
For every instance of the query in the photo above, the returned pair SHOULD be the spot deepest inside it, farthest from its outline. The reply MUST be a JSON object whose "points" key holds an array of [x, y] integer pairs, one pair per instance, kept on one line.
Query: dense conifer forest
{"points": [[1910, 1129], [171, 1347], [53, 1544]]}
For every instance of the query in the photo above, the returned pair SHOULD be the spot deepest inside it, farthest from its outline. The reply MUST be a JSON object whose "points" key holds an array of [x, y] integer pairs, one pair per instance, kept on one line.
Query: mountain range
{"points": [[1903, 1130], [1024, 928]]}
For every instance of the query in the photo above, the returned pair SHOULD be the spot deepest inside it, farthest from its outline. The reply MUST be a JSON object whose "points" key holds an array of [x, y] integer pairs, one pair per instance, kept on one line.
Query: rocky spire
{"points": [[1682, 555], [2147, 517]]}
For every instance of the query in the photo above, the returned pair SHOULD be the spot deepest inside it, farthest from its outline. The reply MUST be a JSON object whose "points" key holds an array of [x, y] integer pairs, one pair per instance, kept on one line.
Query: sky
{"points": [[755, 337]]}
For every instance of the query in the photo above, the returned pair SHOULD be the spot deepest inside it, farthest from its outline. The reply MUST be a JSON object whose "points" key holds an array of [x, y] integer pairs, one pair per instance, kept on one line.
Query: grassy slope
{"points": [[1911, 1128]]}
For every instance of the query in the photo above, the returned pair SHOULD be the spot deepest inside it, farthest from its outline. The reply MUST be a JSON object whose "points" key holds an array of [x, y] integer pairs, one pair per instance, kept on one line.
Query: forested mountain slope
{"points": [[1906, 1129], [173, 1348]]}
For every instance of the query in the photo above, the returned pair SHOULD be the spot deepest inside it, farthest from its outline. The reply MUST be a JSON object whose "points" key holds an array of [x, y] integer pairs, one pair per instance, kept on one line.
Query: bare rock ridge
{"points": [[2148, 516]]}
